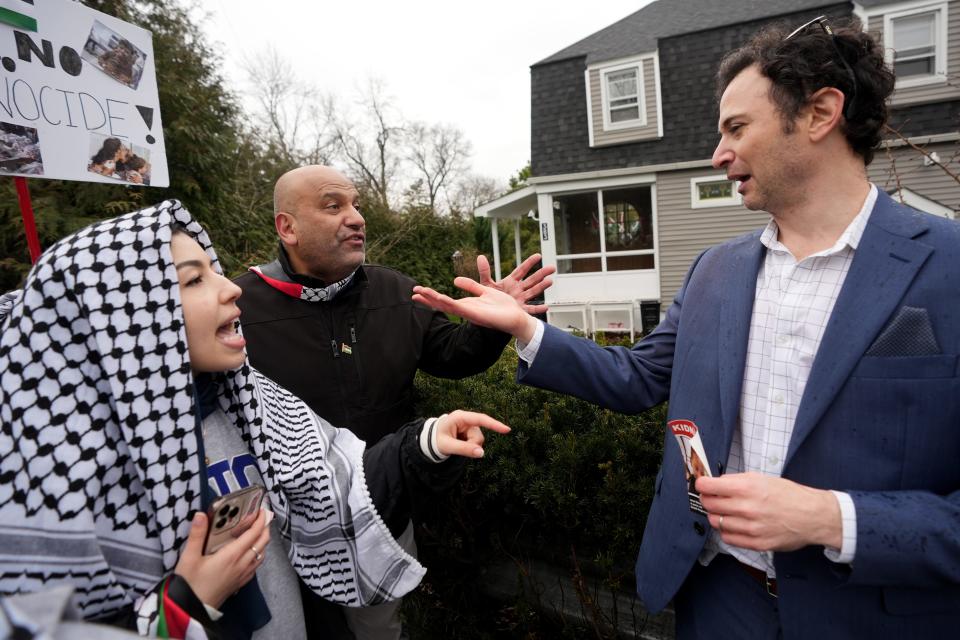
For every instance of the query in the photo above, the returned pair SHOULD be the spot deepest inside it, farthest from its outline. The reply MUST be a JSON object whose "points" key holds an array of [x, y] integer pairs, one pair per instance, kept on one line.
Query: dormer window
{"points": [[623, 100], [622, 96]]}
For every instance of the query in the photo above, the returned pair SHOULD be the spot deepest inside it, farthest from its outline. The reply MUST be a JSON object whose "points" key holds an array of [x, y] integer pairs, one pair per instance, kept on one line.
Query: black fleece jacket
{"points": [[353, 359]]}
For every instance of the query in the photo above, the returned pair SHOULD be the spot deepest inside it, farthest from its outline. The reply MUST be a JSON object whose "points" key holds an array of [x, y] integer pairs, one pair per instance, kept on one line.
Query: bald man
{"points": [[347, 338]]}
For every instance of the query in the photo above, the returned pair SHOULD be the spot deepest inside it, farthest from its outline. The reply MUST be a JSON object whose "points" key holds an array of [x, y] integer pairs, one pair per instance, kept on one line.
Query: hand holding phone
{"points": [[214, 577], [230, 515]]}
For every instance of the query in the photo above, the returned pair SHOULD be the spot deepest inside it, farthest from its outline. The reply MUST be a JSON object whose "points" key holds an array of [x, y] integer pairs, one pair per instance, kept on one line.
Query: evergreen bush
{"points": [[571, 485]]}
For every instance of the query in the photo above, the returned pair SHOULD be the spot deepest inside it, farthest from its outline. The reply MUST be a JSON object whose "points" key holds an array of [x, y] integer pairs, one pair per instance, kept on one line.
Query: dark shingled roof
{"points": [[639, 32]]}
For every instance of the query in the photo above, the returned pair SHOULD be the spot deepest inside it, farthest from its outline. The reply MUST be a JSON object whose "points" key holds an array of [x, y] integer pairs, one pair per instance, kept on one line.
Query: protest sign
{"points": [[78, 96]]}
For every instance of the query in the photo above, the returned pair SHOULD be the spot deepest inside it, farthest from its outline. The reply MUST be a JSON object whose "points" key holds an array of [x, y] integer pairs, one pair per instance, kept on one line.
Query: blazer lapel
{"points": [[736, 308], [885, 263]]}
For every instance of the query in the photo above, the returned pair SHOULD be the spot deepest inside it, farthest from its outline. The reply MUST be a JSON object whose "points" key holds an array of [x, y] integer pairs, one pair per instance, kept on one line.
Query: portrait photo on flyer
{"points": [[695, 462]]}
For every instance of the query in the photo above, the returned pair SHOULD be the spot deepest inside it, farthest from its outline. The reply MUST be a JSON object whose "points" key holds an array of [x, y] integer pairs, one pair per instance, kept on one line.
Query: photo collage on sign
{"points": [[20, 150], [113, 158], [113, 54]]}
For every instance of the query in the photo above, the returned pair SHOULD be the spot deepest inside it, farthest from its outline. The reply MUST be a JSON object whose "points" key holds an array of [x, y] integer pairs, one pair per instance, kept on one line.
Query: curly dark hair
{"points": [[807, 62]]}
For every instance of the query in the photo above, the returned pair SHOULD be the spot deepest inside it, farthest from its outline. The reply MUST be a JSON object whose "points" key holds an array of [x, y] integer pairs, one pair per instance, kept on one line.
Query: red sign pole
{"points": [[26, 210]]}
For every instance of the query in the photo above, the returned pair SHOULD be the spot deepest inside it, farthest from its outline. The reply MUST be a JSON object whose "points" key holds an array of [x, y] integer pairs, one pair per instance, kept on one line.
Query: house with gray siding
{"points": [[624, 124]]}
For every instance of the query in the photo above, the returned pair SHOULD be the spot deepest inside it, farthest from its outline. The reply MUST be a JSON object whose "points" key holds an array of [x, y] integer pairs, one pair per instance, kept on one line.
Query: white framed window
{"points": [[713, 191], [621, 94], [609, 229], [916, 42]]}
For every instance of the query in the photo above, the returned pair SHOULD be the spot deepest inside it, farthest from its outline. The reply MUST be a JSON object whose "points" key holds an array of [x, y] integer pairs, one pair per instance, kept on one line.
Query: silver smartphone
{"points": [[231, 515]]}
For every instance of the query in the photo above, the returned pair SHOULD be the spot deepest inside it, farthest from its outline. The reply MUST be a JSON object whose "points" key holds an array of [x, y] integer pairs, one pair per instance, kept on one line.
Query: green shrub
{"points": [[570, 481]]}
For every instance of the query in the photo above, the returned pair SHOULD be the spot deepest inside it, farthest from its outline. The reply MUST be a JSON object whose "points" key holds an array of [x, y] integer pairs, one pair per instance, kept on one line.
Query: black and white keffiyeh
{"points": [[99, 468], [274, 275]]}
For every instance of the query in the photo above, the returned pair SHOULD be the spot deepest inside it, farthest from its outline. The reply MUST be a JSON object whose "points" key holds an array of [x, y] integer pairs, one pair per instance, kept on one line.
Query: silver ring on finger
{"points": [[720, 525], [256, 553]]}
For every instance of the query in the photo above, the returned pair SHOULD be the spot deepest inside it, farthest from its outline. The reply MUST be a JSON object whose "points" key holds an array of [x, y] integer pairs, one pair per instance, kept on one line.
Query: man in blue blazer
{"points": [[818, 361]]}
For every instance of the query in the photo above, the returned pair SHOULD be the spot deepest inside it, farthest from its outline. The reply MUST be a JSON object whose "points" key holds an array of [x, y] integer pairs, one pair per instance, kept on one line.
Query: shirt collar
{"points": [[850, 236]]}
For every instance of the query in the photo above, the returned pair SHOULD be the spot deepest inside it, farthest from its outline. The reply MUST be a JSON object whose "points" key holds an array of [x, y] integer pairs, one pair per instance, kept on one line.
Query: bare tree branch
{"points": [[471, 191], [376, 163], [291, 114], [893, 170], [929, 156], [438, 153], [379, 247]]}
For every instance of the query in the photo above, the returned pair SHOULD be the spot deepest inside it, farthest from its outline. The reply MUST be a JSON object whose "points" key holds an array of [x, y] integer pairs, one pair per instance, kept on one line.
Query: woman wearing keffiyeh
{"points": [[109, 421]]}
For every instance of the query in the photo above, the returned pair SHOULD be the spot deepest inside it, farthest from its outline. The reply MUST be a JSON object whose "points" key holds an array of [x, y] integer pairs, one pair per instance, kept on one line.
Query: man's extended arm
{"points": [[618, 378], [628, 380]]}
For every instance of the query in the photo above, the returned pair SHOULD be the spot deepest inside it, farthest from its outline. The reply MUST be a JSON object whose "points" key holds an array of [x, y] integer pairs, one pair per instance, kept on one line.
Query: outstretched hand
{"points": [[459, 433], [487, 307], [518, 284]]}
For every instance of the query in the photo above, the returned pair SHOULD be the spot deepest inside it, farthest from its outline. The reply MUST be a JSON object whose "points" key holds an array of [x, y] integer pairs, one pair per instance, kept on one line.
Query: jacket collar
{"points": [[739, 274], [280, 275]]}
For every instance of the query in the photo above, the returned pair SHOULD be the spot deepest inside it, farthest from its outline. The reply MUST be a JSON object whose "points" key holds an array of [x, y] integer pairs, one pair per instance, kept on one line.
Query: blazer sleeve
{"points": [[907, 539], [628, 380]]}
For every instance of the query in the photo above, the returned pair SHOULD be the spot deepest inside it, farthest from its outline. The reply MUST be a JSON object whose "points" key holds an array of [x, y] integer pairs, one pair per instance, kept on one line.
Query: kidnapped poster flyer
{"points": [[694, 458]]}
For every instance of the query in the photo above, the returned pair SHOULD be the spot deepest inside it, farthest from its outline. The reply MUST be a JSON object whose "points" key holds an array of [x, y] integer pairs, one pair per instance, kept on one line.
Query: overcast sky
{"points": [[460, 63]]}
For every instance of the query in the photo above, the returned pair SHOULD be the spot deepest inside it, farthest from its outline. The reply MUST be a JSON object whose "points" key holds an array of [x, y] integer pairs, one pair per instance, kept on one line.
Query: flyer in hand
{"points": [[694, 458]]}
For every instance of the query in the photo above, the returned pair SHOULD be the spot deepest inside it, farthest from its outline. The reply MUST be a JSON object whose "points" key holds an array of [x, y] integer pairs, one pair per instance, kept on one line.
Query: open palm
{"points": [[487, 306], [520, 286]]}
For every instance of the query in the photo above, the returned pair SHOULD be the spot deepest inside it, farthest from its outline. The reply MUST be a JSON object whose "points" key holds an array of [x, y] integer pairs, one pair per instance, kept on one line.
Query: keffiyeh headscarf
{"points": [[99, 468]]}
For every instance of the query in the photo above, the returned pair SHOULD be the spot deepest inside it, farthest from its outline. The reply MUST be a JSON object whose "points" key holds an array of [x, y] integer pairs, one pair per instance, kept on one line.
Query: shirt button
{"points": [[773, 459], [778, 398], [783, 339]]}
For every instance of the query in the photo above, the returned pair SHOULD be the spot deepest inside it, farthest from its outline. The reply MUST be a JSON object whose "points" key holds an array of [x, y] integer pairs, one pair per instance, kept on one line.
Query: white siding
{"points": [[906, 164], [683, 232]]}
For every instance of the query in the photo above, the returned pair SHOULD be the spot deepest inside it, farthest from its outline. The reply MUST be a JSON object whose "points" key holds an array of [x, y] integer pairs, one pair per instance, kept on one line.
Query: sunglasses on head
{"points": [[849, 108]]}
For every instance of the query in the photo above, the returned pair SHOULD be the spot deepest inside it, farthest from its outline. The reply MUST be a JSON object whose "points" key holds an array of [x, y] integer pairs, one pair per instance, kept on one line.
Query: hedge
{"points": [[570, 485]]}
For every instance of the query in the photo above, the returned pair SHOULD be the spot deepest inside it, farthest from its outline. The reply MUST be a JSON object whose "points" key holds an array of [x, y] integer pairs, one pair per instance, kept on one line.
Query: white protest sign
{"points": [[78, 96]]}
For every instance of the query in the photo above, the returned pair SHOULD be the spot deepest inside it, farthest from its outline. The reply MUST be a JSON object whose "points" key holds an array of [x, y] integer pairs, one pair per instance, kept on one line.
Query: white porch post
{"points": [[516, 238], [496, 249]]}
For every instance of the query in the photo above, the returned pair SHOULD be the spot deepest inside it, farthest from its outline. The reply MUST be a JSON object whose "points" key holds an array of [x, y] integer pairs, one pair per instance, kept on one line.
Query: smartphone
{"points": [[230, 515]]}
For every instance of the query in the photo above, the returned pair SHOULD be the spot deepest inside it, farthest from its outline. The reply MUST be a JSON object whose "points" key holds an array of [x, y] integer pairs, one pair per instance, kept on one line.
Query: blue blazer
{"points": [[879, 419]]}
